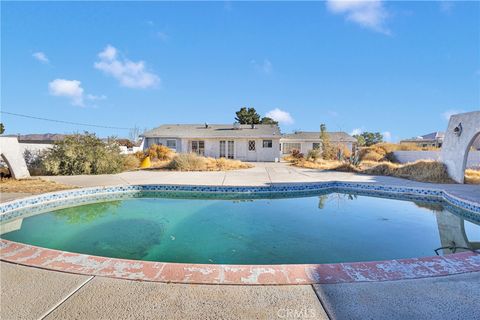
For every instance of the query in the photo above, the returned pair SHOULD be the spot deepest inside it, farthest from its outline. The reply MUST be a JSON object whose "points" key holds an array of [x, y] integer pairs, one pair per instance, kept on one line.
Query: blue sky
{"points": [[394, 67]]}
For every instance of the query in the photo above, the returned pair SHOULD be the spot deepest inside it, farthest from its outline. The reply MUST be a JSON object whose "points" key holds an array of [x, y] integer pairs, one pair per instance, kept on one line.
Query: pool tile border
{"points": [[389, 270], [7, 209], [28, 255]]}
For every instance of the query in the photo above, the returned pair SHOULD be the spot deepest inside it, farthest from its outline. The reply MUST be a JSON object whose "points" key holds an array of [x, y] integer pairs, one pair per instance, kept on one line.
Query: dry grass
{"points": [[422, 170], [31, 186], [472, 176], [194, 162]]}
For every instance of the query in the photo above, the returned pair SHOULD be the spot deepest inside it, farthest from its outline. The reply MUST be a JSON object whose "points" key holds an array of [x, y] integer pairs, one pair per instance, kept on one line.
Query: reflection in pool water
{"points": [[326, 228]]}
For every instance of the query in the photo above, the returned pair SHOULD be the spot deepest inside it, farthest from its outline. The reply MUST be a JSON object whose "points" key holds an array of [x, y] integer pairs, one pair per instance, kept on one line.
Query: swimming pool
{"points": [[312, 227]]}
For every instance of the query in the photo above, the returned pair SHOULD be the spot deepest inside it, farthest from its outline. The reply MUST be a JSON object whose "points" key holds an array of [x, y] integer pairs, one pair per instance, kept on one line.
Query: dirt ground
{"points": [[34, 185]]}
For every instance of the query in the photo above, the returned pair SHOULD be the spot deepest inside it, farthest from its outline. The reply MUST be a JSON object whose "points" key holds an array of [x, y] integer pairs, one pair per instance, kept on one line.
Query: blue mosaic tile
{"points": [[74, 197]]}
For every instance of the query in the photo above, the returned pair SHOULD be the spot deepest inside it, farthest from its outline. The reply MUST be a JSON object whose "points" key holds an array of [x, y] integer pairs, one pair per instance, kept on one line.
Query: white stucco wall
{"points": [[212, 148], [455, 147], [307, 145], [13, 156], [473, 160]]}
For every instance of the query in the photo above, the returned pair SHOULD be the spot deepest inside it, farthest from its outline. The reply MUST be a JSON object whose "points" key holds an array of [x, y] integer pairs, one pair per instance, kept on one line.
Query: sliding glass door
{"points": [[227, 149]]}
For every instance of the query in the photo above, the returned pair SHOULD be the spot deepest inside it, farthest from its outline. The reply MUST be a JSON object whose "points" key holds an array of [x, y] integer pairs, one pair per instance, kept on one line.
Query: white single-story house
{"points": [[304, 141], [260, 142]]}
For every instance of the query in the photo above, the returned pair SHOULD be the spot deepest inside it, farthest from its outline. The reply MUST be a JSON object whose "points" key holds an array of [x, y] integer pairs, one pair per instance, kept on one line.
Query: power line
{"points": [[62, 121]]}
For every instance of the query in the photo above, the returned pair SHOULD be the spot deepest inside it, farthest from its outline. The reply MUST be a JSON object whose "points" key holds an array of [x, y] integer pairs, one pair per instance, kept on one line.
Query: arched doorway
{"points": [[462, 131]]}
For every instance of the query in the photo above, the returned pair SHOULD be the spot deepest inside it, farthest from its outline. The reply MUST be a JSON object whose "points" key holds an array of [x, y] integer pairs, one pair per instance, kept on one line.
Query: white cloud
{"points": [[162, 35], [446, 6], [356, 131], [387, 136], [71, 89], [265, 67], [130, 74], [40, 56], [370, 14], [92, 97], [281, 116], [447, 114]]}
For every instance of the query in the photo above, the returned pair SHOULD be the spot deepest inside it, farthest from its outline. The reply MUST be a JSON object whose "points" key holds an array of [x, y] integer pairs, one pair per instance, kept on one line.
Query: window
{"points": [[198, 147], [251, 145], [289, 147], [267, 143], [316, 146], [172, 144]]}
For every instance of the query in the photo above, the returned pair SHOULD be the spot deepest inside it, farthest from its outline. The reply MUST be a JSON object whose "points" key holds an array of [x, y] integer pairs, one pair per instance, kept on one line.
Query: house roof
{"points": [[309, 135], [214, 131], [434, 136]]}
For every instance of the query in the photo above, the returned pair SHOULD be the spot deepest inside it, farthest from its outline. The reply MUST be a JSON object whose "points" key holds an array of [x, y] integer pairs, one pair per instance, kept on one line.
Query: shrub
{"points": [[82, 154], [472, 176], [188, 162], [140, 155], [130, 162], [296, 154], [314, 155], [159, 152], [422, 170]]}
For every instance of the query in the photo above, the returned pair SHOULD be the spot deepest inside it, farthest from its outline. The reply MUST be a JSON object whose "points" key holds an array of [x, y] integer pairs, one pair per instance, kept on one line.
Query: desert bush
{"points": [[472, 176], [194, 162], [159, 152], [140, 155], [82, 154], [314, 155], [130, 162], [188, 162], [422, 170], [296, 154]]}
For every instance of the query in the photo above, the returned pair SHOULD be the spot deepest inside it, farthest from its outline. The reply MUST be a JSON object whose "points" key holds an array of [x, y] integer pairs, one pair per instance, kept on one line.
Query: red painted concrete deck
{"points": [[238, 274]]}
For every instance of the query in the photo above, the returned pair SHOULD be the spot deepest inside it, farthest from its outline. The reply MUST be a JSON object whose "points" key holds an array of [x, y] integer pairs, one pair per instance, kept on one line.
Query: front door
{"points": [[252, 150]]}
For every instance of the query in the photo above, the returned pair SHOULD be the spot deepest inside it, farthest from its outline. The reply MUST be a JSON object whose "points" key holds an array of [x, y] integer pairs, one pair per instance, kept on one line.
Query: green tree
{"points": [[267, 120], [83, 154], [328, 151], [2, 128], [247, 116], [360, 139], [368, 138]]}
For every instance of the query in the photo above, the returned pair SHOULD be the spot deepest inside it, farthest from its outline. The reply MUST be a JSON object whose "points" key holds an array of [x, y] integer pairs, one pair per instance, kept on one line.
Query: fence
{"points": [[473, 161]]}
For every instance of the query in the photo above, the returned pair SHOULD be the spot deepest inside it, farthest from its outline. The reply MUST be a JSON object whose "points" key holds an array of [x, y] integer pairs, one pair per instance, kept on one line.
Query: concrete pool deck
{"points": [[55, 295]]}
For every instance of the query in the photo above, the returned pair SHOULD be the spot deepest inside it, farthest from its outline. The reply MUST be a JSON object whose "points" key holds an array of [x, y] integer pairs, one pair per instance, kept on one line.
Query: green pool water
{"points": [[326, 228]]}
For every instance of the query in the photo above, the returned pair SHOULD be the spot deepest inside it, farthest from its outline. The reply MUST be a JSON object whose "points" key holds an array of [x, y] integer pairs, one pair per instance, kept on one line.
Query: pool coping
{"points": [[288, 274]]}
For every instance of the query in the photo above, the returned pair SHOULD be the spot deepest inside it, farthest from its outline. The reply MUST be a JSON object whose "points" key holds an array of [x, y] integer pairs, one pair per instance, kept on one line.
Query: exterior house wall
{"points": [[307, 145], [163, 142], [212, 147]]}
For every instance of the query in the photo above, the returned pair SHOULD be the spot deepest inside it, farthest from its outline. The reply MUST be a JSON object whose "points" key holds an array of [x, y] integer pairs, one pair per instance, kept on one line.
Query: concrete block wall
{"points": [[473, 160]]}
